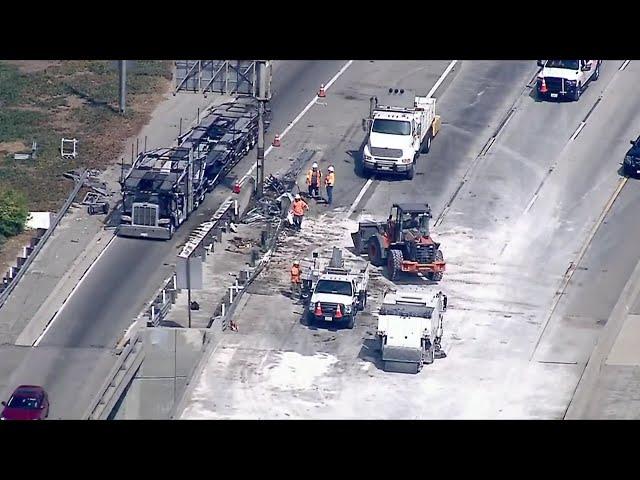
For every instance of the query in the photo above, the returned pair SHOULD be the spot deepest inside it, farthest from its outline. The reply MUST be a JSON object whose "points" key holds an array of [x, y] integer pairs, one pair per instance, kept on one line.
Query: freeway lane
{"points": [[276, 367], [74, 355], [509, 235]]}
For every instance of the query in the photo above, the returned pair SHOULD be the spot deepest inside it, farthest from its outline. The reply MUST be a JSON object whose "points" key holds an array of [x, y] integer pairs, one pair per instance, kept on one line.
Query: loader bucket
{"points": [[356, 237]]}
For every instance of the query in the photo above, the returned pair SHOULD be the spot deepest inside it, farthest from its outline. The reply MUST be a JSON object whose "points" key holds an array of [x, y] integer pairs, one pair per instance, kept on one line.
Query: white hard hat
{"points": [[297, 262], [315, 165], [330, 169], [298, 197]]}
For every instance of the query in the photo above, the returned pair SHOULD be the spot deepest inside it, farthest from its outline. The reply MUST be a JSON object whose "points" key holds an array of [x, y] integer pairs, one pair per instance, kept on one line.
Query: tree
{"points": [[13, 213]]}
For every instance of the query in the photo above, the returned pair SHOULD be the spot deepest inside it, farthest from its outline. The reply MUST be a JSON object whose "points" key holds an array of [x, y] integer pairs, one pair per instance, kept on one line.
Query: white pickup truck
{"points": [[336, 293], [565, 78], [410, 329], [400, 126]]}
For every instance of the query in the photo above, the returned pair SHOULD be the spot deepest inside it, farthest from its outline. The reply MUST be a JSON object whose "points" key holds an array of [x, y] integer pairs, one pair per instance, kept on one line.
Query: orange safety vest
{"points": [[295, 274], [313, 178], [298, 207], [330, 179]]}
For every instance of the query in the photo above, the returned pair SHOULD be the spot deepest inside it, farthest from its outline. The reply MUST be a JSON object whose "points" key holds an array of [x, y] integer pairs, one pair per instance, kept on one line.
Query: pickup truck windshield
{"points": [[334, 287], [391, 127], [568, 64]]}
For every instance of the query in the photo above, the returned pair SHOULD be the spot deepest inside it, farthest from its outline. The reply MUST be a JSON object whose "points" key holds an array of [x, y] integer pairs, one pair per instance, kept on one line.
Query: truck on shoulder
{"points": [[336, 293], [401, 125], [565, 78], [410, 329]]}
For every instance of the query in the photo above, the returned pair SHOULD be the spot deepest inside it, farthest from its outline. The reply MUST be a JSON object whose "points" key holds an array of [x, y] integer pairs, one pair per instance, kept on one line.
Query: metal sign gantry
{"points": [[217, 76]]}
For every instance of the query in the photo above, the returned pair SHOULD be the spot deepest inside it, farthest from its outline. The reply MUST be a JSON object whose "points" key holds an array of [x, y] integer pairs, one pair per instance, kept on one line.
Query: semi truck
{"points": [[164, 186], [410, 328], [400, 126], [336, 293]]}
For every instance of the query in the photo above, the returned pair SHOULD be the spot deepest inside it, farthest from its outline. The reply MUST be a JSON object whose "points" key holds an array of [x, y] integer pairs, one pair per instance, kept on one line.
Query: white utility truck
{"points": [[335, 293], [410, 328], [400, 126], [566, 78]]}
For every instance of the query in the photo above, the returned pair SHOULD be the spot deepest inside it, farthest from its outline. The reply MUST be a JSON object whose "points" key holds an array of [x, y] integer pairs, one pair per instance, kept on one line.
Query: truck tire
{"points": [[577, 93], [309, 319], [436, 276], [411, 172], [427, 142], [596, 73], [172, 230], [394, 264], [351, 322], [374, 250]]}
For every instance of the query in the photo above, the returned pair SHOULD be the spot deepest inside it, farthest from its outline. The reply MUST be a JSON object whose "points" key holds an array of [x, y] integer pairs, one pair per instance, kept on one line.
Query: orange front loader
{"points": [[403, 242]]}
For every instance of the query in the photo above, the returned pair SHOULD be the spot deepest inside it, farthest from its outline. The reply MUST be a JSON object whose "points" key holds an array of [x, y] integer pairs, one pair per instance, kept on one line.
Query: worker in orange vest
{"points": [[314, 176], [297, 208], [329, 182], [295, 278]]}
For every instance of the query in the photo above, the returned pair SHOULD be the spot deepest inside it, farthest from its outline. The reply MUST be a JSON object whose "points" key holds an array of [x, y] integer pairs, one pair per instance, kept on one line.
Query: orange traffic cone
{"points": [[318, 311], [543, 87], [276, 141], [338, 312], [321, 92]]}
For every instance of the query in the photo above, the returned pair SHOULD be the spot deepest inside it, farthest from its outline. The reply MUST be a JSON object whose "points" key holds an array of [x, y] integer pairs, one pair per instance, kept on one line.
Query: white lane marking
{"points": [[533, 200], [624, 65], [359, 197], [300, 115], [84, 276], [442, 77], [577, 132], [366, 186]]}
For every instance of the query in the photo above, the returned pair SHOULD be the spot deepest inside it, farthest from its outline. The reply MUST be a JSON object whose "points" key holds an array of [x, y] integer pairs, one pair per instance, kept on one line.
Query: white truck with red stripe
{"points": [[566, 78], [400, 126]]}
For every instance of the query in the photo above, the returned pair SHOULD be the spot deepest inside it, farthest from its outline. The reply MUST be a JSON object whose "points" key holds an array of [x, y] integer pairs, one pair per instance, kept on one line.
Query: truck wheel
{"points": [[309, 318], [411, 172], [172, 229], [577, 93], [374, 249], [596, 73], [394, 264], [351, 322], [436, 276], [427, 143]]}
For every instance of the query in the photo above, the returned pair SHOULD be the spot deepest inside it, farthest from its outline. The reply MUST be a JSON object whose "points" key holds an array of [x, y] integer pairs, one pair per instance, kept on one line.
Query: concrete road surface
{"points": [[519, 188], [76, 348]]}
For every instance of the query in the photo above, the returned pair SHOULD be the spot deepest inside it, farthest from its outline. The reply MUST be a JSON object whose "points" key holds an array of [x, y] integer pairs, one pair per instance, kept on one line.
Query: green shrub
{"points": [[13, 213]]}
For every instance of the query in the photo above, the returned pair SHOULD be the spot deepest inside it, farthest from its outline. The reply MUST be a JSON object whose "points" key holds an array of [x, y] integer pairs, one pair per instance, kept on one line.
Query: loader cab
{"points": [[408, 217]]}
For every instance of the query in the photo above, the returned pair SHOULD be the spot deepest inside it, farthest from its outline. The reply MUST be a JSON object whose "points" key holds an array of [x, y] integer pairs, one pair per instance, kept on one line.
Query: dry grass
{"points": [[46, 100]]}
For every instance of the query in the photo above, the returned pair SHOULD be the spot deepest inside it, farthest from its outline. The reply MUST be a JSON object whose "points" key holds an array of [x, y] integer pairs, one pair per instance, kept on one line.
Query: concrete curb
{"points": [[579, 405], [63, 290]]}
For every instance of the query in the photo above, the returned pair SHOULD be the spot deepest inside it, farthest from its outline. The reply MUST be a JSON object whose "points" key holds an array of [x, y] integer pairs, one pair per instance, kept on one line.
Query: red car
{"points": [[28, 402]]}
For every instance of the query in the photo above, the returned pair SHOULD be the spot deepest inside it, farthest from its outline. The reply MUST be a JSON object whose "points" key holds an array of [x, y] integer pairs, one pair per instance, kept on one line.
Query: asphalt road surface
{"points": [[73, 358], [531, 279]]}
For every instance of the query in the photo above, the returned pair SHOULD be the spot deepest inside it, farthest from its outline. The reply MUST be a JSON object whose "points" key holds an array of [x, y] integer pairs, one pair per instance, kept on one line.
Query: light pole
{"points": [[122, 64], [263, 96]]}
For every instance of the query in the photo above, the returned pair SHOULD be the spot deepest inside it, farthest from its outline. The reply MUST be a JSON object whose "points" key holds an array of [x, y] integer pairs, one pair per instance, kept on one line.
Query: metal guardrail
{"points": [[24, 267], [129, 359]]}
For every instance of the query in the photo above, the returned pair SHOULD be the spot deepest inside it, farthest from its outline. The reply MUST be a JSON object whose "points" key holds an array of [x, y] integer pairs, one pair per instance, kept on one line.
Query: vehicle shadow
{"points": [[369, 352]]}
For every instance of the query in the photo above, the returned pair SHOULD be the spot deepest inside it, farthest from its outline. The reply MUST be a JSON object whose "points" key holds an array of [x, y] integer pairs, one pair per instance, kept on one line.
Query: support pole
{"points": [[123, 85], [189, 289]]}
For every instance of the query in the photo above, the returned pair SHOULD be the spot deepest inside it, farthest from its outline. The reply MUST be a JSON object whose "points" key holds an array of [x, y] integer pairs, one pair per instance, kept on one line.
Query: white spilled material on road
{"points": [[298, 372]]}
